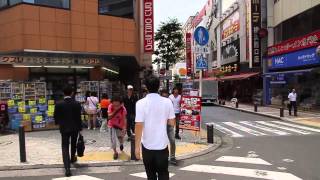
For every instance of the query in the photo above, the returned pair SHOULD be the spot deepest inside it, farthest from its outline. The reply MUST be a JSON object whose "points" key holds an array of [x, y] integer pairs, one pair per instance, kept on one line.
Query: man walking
{"points": [[153, 113], [293, 102], [175, 97], [130, 101], [68, 116]]}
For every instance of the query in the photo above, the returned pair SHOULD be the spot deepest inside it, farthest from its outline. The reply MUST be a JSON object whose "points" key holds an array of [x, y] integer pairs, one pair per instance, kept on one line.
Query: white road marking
{"points": [[288, 160], [252, 173], [227, 131], [82, 177], [243, 160], [283, 127], [298, 126], [282, 168], [144, 175], [264, 128], [242, 128]]}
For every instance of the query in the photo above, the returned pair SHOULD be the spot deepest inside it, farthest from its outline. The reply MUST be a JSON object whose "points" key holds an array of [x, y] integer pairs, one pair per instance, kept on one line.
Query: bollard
{"points": [[219, 102], [255, 107], [22, 144], [133, 149], [281, 112], [223, 102], [210, 133], [237, 104]]}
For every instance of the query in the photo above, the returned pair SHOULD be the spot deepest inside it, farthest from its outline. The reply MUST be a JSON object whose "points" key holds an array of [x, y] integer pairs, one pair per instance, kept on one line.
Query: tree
{"points": [[169, 43]]}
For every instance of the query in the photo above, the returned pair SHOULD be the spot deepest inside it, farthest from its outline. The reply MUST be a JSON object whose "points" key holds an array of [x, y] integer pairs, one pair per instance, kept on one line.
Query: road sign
{"points": [[201, 36], [202, 49], [201, 62]]}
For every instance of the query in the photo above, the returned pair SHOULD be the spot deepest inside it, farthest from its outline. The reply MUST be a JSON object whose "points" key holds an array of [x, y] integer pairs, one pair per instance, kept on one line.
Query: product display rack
{"points": [[34, 90], [5, 90], [92, 86], [17, 91]]}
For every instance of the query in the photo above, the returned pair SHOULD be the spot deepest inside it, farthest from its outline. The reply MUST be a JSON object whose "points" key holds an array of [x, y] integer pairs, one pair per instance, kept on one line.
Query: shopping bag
{"points": [[80, 146]]}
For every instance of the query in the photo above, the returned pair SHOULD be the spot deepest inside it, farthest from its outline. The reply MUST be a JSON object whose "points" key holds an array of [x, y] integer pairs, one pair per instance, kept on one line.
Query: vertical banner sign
{"points": [[148, 28], [256, 26], [190, 118], [188, 54]]}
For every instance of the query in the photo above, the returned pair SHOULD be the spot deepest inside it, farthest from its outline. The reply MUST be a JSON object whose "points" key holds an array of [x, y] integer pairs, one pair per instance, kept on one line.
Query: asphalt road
{"points": [[254, 147]]}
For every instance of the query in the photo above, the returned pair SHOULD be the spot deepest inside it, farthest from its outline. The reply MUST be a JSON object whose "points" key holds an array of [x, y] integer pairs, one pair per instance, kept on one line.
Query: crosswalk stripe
{"points": [[283, 127], [244, 172], [242, 128], [225, 130], [246, 160], [298, 126], [82, 177], [144, 175], [265, 128]]}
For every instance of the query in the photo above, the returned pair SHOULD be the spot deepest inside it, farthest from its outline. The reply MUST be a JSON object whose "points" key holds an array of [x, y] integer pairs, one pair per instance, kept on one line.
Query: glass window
{"points": [[53, 3], [120, 8], [3, 3]]}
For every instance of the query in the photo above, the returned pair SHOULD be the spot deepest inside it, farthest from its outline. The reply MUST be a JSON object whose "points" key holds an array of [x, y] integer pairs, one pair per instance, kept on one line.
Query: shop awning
{"points": [[238, 76]]}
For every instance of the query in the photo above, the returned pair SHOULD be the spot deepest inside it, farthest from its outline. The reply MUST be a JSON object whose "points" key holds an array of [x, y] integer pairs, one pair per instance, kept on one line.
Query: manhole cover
{"points": [[90, 141], [5, 143]]}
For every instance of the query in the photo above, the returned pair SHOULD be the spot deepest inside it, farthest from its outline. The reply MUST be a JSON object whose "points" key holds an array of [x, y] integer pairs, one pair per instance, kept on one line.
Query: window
{"points": [[52, 3], [3, 3], [120, 8]]}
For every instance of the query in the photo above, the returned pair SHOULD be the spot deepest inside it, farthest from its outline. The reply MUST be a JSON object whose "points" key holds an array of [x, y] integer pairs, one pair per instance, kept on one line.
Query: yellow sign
{"points": [[51, 108], [33, 110], [51, 102], [50, 113], [32, 103], [42, 100], [39, 119], [22, 109], [21, 103], [26, 117], [10, 103]]}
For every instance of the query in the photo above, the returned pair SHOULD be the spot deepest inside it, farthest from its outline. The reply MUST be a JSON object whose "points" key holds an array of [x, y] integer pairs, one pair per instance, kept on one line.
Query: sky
{"points": [[181, 9]]}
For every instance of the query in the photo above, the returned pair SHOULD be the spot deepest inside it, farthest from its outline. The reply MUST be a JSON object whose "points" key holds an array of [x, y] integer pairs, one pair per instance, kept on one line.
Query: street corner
{"points": [[184, 149], [313, 122], [103, 157]]}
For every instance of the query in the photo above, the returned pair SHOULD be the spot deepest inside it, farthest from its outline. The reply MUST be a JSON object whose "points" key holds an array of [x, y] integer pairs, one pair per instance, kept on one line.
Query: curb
{"points": [[211, 148]]}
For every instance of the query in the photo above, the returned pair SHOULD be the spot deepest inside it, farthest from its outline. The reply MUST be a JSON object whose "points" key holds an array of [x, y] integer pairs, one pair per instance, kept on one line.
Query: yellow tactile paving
{"points": [[310, 122], [189, 148]]}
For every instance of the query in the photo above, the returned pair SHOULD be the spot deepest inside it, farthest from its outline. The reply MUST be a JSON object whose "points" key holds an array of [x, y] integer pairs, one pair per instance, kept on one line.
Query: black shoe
{"points": [[178, 137], [121, 147], [74, 159], [68, 173], [173, 161], [115, 156]]}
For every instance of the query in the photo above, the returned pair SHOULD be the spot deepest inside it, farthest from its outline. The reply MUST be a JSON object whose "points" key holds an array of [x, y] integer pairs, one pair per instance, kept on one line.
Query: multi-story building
{"points": [[68, 41], [292, 60]]}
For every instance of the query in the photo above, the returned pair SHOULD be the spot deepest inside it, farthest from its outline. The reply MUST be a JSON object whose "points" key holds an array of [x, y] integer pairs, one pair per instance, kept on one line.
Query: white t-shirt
{"points": [[92, 102], [176, 103], [292, 97], [154, 111]]}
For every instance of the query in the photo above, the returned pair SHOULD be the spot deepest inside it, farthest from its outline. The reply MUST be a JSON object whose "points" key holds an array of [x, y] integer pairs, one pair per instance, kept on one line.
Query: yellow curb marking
{"points": [[314, 123], [189, 148]]}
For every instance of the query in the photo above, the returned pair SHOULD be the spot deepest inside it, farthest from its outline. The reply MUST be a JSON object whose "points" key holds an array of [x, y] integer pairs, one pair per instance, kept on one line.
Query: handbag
{"points": [[80, 146]]}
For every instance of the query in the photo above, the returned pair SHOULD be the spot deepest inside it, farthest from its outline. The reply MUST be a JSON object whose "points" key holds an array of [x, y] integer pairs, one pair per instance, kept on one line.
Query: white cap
{"points": [[129, 87]]}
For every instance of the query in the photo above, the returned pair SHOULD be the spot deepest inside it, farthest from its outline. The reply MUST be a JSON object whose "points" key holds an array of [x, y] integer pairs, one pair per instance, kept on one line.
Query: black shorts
{"points": [[104, 113]]}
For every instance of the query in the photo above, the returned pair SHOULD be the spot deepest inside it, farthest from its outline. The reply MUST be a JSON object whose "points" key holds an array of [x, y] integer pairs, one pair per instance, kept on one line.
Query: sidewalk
{"points": [[306, 118], [44, 150]]}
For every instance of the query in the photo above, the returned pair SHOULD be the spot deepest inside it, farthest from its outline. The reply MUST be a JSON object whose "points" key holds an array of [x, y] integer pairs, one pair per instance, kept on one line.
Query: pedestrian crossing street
{"points": [[263, 128]]}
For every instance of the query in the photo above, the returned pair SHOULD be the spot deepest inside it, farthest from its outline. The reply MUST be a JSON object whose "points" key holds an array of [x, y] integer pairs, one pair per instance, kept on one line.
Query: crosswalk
{"points": [[263, 128]]}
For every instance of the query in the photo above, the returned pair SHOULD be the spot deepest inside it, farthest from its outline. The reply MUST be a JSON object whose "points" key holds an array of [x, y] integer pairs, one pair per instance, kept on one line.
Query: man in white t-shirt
{"points": [[293, 102], [153, 113], [175, 97]]}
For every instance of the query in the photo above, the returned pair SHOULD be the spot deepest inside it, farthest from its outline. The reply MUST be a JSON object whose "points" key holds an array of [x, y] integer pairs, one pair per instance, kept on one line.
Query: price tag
{"points": [[50, 114], [22, 109], [21, 104], [33, 110], [39, 119], [42, 100], [51, 108], [10, 103], [32, 103], [26, 117], [51, 102]]}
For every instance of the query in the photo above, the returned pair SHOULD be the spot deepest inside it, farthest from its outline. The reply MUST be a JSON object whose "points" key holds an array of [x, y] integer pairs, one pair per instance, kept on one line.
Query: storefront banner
{"points": [[189, 54], [148, 26], [231, 25], [295, 44], [294, 59], [190, 118], [256, 26], [32, 60]]}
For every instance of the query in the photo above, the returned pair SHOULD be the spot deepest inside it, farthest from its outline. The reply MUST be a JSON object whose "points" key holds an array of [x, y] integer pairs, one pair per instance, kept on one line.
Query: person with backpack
{"points": [[92, 109], [117, 123]]}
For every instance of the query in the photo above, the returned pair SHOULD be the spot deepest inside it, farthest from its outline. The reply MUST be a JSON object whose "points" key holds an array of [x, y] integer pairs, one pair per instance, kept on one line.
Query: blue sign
{"points": [[294, 59], [201, 36], [201, 63]]}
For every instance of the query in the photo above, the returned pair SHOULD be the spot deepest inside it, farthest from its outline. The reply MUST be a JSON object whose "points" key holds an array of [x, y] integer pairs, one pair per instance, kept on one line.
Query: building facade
{"points": [[292, 60], [69, 41]]}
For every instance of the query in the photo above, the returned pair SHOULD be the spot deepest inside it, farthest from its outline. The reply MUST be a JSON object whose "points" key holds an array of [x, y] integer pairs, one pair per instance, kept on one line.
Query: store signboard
{"points": [[189, 54], [310, 40], [231, 53], [231, 25], [294, 59], [148, 26], [256, 26], [190, 118]]}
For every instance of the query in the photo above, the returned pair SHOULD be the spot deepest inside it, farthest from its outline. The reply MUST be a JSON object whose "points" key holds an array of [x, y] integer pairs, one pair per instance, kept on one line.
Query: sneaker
{"points": [[178, 137], [115, 156], [173, 161], [121, 147]]}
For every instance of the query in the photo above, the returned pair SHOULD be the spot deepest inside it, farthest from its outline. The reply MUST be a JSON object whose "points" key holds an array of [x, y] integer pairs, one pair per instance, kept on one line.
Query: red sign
{"points": [[188, 54], [148, 29], [190, 118], [310, 40]]}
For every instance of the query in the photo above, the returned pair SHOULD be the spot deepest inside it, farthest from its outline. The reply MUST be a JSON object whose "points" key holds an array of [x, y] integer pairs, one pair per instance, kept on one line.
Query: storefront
{"points": [[294, 64]]}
